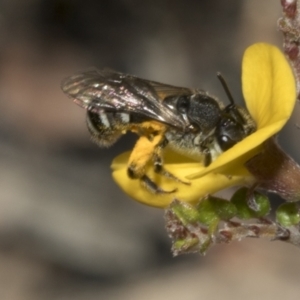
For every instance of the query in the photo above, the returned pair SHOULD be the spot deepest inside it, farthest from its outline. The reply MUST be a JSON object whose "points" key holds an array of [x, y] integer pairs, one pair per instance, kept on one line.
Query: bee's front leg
{"points": [[207, 157], [205, 149], [142, 153]]}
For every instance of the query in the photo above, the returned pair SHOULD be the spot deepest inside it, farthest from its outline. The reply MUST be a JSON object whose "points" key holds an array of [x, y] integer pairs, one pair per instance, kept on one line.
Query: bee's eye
{"points": [[225, 142], [229, 132], [183, 104]]}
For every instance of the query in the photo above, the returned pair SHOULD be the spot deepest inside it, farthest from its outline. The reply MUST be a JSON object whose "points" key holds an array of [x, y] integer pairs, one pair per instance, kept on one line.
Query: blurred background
{"points": [[66, 230]]}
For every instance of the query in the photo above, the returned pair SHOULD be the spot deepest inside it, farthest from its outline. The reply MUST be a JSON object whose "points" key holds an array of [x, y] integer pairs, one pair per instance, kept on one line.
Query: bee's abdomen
{"points": [[107, 127]]}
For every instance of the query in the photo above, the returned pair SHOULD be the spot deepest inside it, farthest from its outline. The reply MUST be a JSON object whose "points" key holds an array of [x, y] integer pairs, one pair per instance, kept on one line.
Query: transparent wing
{"points": [[166, 90], [112, 91]]}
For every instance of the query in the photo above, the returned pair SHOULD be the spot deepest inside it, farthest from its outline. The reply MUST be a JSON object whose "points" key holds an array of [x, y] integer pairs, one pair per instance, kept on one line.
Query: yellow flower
{"points": [[270, 94]]}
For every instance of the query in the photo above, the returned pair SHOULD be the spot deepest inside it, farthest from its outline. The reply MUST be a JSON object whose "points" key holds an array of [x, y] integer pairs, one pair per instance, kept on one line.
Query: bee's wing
{"points": [[166, 90], [111, 91]]}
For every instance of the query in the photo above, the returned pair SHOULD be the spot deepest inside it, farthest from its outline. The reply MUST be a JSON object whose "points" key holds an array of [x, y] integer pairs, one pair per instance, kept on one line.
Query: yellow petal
{"points": [[268, 85], [180, 166]]}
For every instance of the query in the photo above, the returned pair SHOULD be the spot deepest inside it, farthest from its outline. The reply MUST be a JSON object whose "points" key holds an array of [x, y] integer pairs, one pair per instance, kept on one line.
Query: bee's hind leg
{"points": [[140, 156]]}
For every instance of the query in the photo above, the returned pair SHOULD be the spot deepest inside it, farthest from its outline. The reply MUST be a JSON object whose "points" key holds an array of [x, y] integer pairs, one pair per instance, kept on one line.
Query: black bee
{"points": [[190, 121]]}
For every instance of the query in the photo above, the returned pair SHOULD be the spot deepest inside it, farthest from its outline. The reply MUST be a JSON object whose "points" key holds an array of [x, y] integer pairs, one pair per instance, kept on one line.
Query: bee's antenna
{"points": [[225, 87]]}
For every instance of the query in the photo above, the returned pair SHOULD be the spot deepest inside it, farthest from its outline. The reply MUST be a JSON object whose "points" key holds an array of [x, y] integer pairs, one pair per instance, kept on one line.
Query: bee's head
{"points": [[233, 126], [235, 122]]}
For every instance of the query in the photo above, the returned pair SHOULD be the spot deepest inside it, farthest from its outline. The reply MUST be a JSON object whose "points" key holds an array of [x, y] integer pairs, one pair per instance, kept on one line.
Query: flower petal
{"points": [[268, 85], [181, 167]]}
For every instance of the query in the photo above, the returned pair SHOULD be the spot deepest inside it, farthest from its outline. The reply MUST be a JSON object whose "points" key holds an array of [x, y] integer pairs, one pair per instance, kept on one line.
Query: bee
{"points": [[189, 121]]}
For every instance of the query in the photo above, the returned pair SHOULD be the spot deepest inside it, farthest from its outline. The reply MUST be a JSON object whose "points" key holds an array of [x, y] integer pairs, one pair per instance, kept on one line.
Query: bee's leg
{"points": [[204, 148], [207, 157], [153, 187], [158, 163], [140, 156]]}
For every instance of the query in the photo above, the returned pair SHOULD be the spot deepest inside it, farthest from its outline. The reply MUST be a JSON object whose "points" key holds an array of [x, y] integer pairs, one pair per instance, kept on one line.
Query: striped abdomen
{"points": [[107, 127]]}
